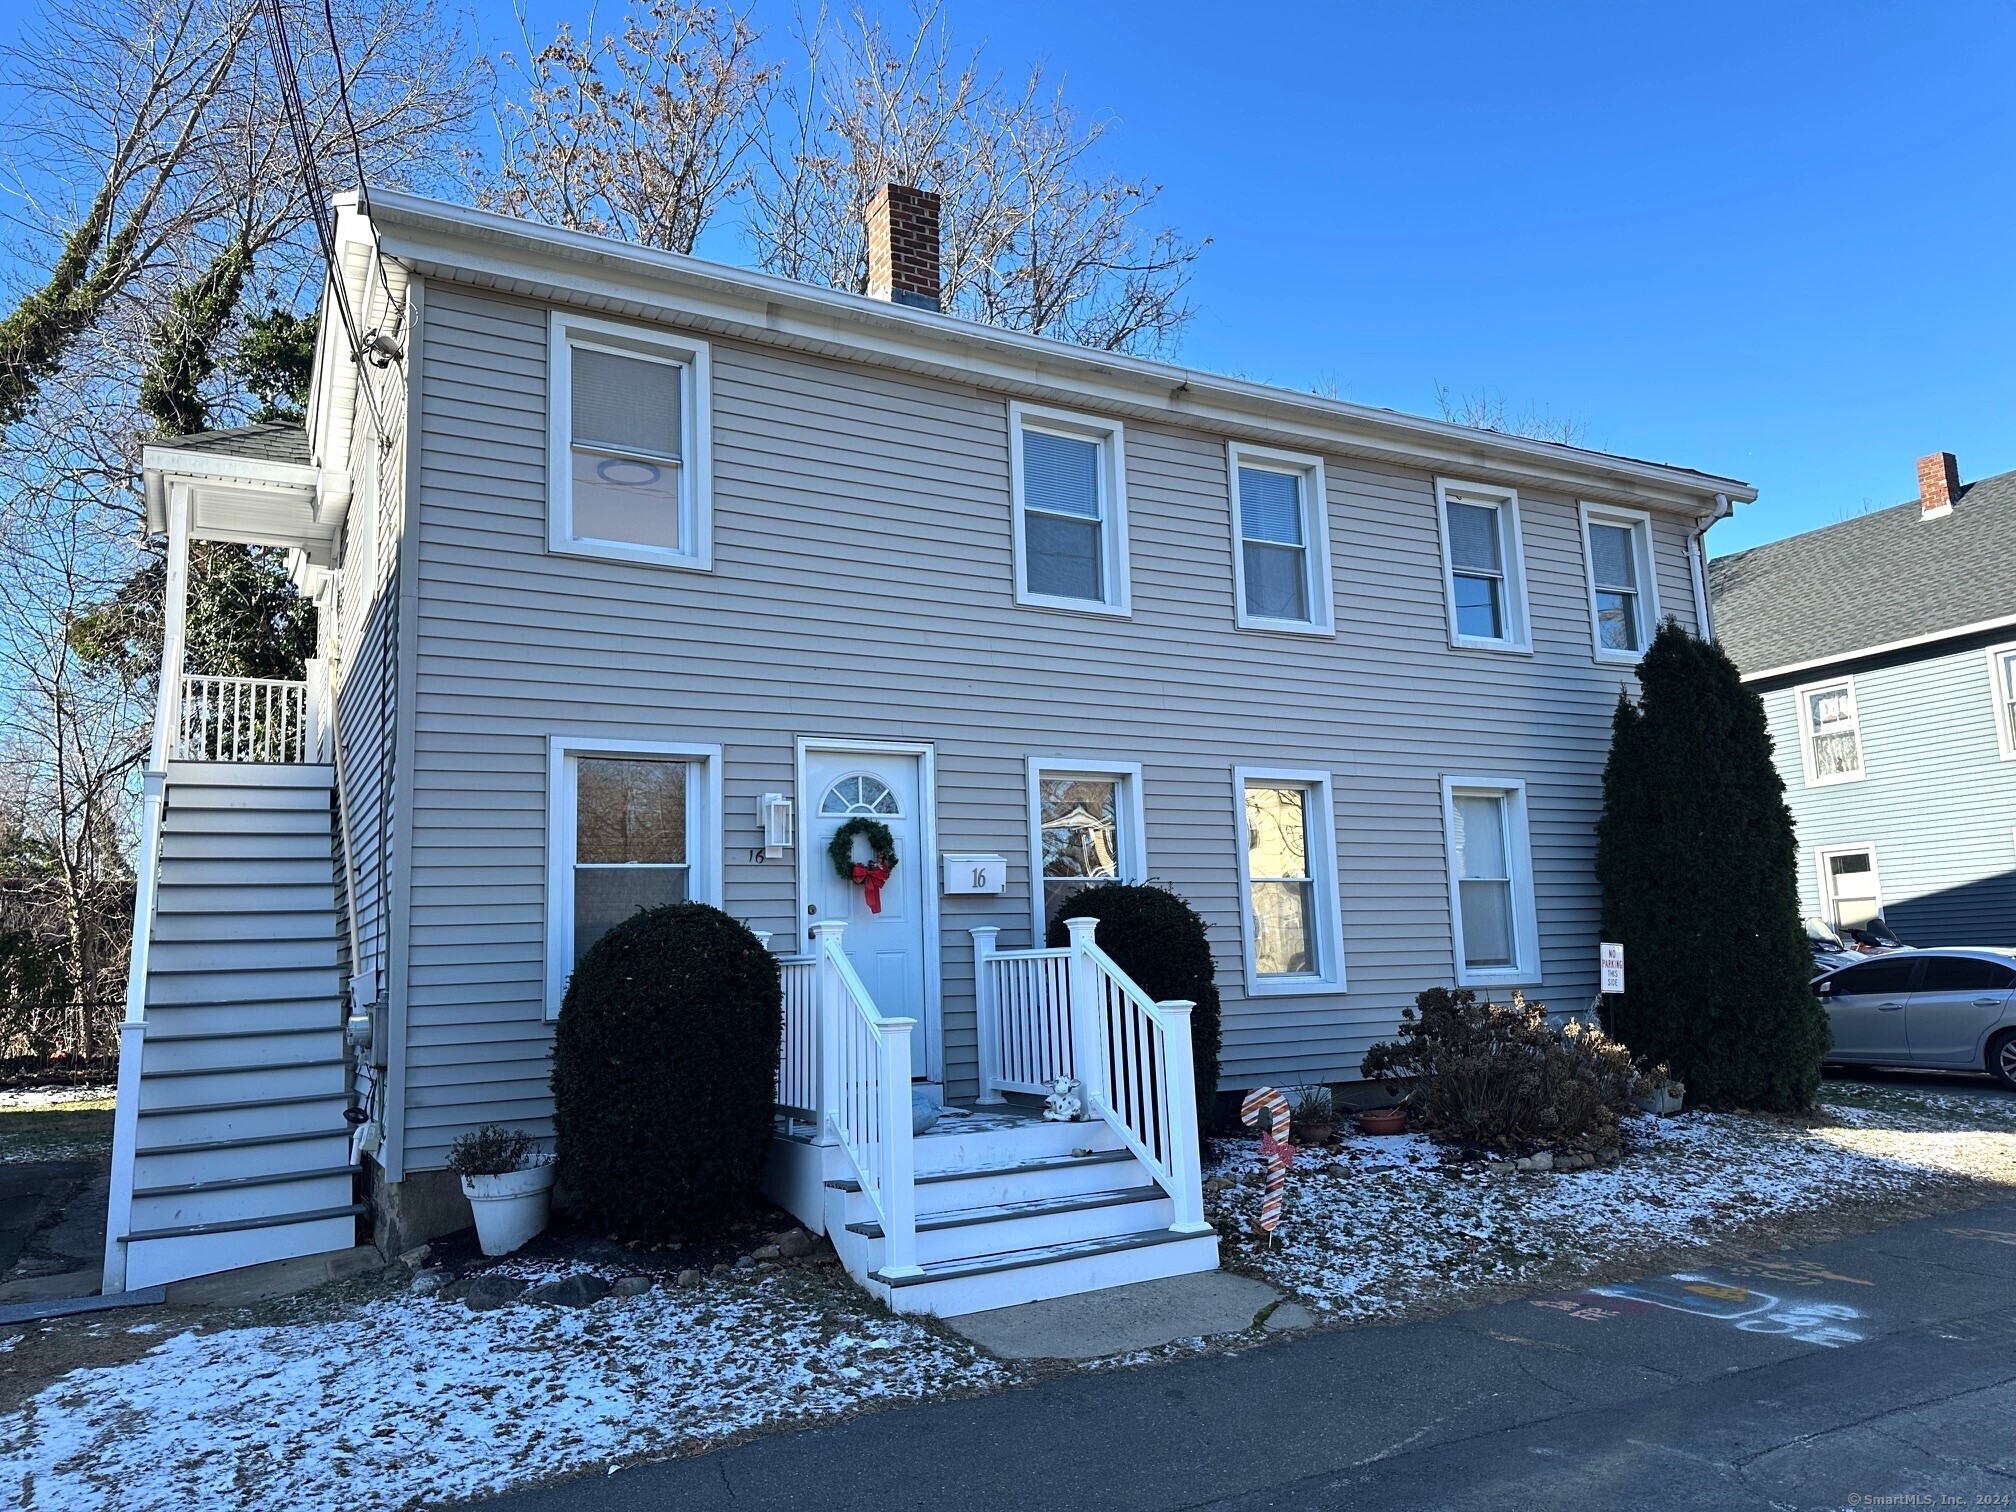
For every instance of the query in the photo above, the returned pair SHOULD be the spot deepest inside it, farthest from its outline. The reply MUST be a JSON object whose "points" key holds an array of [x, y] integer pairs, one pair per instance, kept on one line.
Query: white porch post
{"points": [[314, 714], [161, 750], [899, 1160], [1083, 991], [826, 995], [986, 1014], [1186, 1167]]}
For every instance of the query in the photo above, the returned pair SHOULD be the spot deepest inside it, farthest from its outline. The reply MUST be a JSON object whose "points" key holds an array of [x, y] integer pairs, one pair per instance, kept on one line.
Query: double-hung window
{"points": [[1288, 882], [1281, 567], [628, 446], [1490, 881], [1483, 567], [1085, 828], [2002, 677], [1830, 732], [629, 827], [1068, 475], [1623, 598]]}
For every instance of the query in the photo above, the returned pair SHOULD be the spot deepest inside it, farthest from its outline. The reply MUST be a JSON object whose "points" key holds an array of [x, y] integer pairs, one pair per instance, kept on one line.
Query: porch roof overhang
{"points": [[255, 501]]}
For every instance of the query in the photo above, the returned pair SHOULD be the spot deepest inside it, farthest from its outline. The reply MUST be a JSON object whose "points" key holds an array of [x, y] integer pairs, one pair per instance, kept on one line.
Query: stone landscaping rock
{"points": [[579, 1290], [721, 1272], [743, 1263], [636, 1286], [489, 1291], [796, 1245], [1289, 1316], [1609, 1155], [1544, 1161], [766, 1252], [428, 1282], [417, 1256], [688, 1277], [1218, 1184]]}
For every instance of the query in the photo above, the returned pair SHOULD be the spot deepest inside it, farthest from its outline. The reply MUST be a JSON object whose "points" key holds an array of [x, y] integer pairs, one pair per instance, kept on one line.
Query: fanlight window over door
{"points": [[860, 794]]}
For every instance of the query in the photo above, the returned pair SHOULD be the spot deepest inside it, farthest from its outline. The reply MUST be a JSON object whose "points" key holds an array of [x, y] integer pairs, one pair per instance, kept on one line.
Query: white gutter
{"points": [[1979, 627], [456, 243], [1697, 565]]}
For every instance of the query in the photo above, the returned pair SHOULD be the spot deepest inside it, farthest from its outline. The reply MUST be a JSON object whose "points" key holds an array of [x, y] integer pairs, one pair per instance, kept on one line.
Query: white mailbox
{"points": [[967, 874]]}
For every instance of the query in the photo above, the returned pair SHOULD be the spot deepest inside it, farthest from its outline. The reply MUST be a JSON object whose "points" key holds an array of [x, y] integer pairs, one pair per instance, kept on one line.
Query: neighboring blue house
{"points": [[1885, 649]]}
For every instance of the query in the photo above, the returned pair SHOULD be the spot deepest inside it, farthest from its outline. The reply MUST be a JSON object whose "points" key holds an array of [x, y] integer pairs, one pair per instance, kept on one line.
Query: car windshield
{"points": [[1875, 932], [1821, 936]]}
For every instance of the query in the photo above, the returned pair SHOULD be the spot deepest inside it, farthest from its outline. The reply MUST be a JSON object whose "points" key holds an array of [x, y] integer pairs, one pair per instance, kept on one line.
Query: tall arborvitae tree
{"points": [[1698, 863]]}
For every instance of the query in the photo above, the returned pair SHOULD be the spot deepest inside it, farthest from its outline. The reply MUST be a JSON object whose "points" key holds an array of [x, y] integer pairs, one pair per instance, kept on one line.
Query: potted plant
{"points": [[1312, 1115], [1664, 1093], [509, 1183], [1384, 1120]]}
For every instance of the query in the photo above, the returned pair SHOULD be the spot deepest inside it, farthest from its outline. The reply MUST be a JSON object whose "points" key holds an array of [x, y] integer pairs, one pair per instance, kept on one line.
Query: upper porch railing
{"points": [[252, 719]]}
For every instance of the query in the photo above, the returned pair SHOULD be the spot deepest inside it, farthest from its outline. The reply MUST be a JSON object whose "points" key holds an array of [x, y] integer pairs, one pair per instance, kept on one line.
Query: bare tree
{"points": [[1488, 411], [1036, 238], [643, 133]]}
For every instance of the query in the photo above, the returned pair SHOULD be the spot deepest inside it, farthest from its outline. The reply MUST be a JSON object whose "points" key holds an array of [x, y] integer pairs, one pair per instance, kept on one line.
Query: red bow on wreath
{"points": [[870, 880]]}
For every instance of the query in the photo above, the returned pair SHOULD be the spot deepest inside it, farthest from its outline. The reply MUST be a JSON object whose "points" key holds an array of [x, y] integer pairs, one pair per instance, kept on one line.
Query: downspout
{"points": [[1697, 565]]}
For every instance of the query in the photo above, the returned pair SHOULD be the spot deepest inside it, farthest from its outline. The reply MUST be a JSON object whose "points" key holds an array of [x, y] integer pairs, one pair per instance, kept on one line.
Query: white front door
{"points": [[887, 948]]}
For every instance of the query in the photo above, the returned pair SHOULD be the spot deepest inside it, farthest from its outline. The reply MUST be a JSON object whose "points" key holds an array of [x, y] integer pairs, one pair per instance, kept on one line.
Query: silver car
{"points": [[1949, 1008]]}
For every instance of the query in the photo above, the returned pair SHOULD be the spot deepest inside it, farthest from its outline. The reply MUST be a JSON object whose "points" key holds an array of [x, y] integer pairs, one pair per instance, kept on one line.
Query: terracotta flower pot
{"points": [[1383, 1120], [1313, 1133]]}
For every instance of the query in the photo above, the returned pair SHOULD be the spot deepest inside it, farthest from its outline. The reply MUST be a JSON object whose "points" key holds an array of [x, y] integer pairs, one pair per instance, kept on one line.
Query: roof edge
{"points": [[918, 336], [1932, 637]]}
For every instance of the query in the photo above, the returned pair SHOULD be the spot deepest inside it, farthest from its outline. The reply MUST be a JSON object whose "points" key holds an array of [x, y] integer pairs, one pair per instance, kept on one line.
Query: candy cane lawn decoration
{"points": [[1274, 1145]]}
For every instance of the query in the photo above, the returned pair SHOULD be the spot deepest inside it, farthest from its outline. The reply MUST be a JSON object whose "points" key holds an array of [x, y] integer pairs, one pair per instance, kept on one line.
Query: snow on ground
{"points": [[1392, 1222], [53, 1097], [409, 1400]]}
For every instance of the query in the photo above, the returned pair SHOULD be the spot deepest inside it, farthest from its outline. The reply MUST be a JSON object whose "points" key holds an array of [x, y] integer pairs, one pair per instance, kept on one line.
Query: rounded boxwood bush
{"points": [[1158, 939], [664, 1074]]}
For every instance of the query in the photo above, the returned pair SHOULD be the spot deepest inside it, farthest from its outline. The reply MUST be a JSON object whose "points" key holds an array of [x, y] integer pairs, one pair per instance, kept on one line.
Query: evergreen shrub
{"points": [[664, 1074]]}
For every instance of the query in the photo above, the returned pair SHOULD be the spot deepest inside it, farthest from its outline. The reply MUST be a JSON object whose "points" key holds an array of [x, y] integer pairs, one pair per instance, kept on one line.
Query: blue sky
{"points": [[1766, 240]]}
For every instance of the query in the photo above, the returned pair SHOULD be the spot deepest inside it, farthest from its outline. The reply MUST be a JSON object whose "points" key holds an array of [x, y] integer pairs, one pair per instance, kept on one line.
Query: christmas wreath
{"points": [[881, 862]]}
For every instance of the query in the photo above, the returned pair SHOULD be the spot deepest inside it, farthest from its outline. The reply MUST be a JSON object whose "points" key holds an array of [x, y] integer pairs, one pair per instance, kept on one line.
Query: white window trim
{"points": [[1806, 733], [1133, 832], [1118, 600], [1525, 971], [703, 836], [1318, 589], [1326, 920], [2005, 735], [1518, 639], [1822, 855], [696, 468], [1639, 523]]}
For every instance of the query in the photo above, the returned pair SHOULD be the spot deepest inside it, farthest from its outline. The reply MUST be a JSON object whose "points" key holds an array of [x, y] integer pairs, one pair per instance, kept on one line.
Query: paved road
{"points": [[1836, 1376]]}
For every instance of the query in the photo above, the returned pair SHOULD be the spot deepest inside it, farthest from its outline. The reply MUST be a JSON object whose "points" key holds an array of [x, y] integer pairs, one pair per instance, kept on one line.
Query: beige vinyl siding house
{"points": [[643, 576]]}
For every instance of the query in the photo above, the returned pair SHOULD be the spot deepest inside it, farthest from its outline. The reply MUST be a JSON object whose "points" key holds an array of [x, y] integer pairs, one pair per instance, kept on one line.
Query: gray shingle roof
{"points": [[275, 441], [1876, 579]]}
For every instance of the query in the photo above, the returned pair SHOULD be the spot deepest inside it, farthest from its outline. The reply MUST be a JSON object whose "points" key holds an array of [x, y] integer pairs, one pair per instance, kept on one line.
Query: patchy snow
{"points": [[12, 1098], [406, 1401], [1394, 1222]]}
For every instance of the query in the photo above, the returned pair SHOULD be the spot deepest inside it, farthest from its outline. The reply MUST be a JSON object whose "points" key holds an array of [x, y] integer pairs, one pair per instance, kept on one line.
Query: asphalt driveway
{"points": [[1844, 1374]]}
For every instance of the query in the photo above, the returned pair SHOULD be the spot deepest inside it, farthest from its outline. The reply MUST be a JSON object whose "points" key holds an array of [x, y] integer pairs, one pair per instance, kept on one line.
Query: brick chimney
{"points": [[1938, 482], [903, 246]]}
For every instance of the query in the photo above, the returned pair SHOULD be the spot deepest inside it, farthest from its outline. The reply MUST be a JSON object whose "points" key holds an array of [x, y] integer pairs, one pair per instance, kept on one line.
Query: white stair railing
{"points": [[864, 1064], [798, 1053], [1073, 1012], [1023, 1001], [260, 719]]}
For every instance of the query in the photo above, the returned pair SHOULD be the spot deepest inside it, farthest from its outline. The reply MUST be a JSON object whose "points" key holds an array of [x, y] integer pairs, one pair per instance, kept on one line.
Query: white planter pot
{"points": [[510, 1208]]}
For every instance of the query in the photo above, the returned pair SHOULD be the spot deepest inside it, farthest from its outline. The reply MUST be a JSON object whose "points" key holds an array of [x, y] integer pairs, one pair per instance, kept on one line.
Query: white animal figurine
{"points": [[1063, 1104]]}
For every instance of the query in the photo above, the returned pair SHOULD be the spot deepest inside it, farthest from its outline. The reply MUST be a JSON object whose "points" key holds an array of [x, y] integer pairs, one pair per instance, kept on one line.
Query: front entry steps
{"points": [[1010, 1209]]}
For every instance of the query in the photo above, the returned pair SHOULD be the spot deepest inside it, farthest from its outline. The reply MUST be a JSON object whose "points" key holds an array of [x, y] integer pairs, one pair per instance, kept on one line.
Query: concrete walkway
{"points": [[1862, 1372]]}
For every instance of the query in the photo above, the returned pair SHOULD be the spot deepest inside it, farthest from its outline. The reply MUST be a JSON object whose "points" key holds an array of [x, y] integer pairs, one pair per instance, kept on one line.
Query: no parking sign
{"points": [[1613, 966]]}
